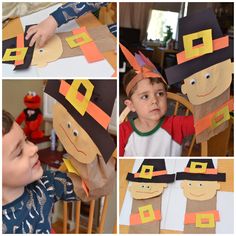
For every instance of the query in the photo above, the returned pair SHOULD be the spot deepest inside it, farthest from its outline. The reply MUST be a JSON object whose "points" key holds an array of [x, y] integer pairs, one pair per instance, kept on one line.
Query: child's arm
{"points": [[46, 29]]}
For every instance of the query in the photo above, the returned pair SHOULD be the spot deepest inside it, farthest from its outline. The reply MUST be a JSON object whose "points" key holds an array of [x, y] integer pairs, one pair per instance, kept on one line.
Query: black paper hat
{"points": [[102, 99], [196, 23], [12, 43], [201, 169], [152, 171]]}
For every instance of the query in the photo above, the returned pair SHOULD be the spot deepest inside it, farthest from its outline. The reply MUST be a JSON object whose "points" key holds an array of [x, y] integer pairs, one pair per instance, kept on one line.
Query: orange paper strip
{"points": [[190, 218], [19, 44], [93, 110], [154, 173], [206, 121], [219, 43], [208, 171], [135, 219], [90, 50], [85, 188]]}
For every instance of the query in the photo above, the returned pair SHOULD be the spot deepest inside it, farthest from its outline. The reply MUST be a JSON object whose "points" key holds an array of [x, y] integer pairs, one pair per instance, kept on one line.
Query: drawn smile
{"points": [[148, 192], [203, 95], [71, 141]]}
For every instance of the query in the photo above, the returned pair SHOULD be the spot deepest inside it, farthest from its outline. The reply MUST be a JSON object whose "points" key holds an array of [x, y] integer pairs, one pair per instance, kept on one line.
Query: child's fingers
{"points": [[34, 39], [32, 30], [42, 41]]}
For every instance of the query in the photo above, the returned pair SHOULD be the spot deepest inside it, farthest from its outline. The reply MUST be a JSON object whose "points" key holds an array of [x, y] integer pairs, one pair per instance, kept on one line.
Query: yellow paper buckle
{"points": [[71, 96], [206, 47], [210, 220], [146, 209], [220, 117], [18, 57], [144, 174], [194, 167], [78, 40]]}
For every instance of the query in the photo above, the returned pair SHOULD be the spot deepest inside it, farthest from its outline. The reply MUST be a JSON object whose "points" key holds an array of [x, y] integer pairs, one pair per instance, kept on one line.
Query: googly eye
{"points": [[200, 185], [29, 93], [208, 76], [148, 186], [41, 50], [75, 132], [189, 184], [33, 93], [142, 186], [68, 125], [192, 81]]}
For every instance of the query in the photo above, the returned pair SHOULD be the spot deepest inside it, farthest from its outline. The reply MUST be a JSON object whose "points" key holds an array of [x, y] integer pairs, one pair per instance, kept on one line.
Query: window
{"points": [[158, 22]]}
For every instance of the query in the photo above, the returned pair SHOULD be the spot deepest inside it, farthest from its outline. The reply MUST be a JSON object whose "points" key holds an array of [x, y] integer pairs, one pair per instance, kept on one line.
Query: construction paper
{"points": [[19, 44], [199, 21], [200, 206], [100, 116], [200, 190], [219, 43], [19, 54], [149, 219], [103, 97], [207, 84], [69, 167], [80, 146], [96, 178], [216, 118], [51, 51], [78, 40], [141, 190], [207, 47], [202, 110]]}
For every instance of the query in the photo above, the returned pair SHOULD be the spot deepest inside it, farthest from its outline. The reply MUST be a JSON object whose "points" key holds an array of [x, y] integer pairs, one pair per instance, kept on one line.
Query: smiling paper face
{"points": [[200, 190], [209, 83], [74, 138], [50, 52], [141, 190]]}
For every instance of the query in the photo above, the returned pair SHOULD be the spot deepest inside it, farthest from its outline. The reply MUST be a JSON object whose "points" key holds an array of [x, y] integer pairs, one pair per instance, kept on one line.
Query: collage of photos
{"points": [[117, 117]]}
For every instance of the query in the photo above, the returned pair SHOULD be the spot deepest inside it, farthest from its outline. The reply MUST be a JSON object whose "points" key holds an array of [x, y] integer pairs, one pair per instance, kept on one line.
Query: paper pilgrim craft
{"points": [[80, 119], [90, 42], [146, 189], [205, 67], [200, 185], [142, 66]]}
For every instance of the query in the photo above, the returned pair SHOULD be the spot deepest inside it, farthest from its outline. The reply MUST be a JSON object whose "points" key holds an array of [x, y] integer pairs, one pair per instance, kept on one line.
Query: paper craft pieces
{"points": [[83, 115], [146, 188], [200, 184], [17, 51], [142, 66], [205, 67]]}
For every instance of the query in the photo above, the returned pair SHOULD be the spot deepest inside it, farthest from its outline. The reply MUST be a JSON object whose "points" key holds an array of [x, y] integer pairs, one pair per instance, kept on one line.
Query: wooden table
{"points": [[126, 165]]}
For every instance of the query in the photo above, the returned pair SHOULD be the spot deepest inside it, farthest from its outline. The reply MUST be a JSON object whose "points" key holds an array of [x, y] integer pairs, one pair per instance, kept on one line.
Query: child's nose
{"points": [[33, 148], [155, 100]]}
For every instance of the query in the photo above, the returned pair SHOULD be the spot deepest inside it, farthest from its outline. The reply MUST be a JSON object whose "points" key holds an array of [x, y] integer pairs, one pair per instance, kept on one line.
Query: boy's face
{"points": [[140, 190], [209, 83], [149, 101], [20, 163], [200, 190]]}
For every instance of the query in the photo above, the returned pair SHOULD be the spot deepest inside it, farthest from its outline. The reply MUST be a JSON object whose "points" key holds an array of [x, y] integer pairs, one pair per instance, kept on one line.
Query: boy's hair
{"points": [[131, 74], [7, 122]]}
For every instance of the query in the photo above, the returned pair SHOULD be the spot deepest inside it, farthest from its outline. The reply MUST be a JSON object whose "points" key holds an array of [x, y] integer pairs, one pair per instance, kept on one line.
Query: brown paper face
{"points": [[209, 83], [74, 138], [141, 190], [200, 190], [50, 52]]}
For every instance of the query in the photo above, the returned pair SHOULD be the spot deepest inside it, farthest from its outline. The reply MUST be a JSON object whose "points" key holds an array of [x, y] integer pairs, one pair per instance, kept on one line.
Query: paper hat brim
{"points": [[221, 177]]}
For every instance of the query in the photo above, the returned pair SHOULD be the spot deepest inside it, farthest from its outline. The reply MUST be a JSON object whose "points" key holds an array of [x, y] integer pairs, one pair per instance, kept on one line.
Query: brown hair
{"points": [[7, 122], [131, 74]]}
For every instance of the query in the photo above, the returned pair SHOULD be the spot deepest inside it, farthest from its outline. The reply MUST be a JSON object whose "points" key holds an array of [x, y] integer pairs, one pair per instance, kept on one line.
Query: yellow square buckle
{"points": [[78, 40], [205, 220], [220, 117], [146, 213], [146, 172], [198, 167], [17, 57], [206, 47]]}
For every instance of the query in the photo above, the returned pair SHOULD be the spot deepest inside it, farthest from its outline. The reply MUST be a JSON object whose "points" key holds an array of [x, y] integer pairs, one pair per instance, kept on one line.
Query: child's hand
{"points": [[42, 32]]}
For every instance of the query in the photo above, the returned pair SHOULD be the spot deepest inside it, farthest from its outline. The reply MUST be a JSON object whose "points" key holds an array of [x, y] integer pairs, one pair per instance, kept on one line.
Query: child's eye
{"points": [[161, 94], [19, 154], [144, 97]]}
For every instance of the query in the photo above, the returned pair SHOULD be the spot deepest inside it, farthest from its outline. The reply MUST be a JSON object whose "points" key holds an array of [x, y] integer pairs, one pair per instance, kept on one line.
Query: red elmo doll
{"points": [[32, 116]]}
